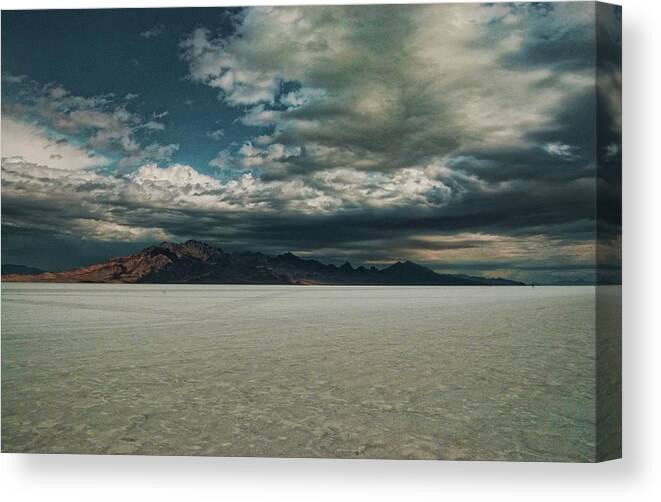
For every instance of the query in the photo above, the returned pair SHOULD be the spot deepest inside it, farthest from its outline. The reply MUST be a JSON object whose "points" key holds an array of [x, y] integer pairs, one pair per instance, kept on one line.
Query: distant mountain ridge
{"points": [[195, 262], [10, 268]]}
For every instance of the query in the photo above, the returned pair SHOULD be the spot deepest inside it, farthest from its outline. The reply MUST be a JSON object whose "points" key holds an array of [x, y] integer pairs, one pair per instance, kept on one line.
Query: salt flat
{"points": [[300, 371]]}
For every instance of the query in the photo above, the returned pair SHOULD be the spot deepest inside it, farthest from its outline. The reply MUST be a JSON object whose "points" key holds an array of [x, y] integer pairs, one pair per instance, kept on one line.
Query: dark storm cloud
{"points": [[552, 39], [55, 251], [609, 144]]}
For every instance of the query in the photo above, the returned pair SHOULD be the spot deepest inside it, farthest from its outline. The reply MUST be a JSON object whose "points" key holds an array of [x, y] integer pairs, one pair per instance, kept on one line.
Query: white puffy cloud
{"points": [[177, 175], [259, 116], [300, 97], [258, 155], [429, 186], [561, 150], [158, 192], [34, 144], [96, 122], [251, 156], [217, 68], [113, 232], [224, 159]]}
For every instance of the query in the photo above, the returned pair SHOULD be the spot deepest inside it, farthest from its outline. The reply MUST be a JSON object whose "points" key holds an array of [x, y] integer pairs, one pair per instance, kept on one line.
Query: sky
{"points": [[479, 139]]}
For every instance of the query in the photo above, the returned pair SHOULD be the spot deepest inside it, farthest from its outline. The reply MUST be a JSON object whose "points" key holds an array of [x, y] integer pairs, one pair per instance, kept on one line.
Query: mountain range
{"points": [[195, 262], [8, 268]]}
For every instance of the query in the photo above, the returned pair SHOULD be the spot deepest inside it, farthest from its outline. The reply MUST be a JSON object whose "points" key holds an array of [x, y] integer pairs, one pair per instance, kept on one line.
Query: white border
{"points": [[636, 477]]}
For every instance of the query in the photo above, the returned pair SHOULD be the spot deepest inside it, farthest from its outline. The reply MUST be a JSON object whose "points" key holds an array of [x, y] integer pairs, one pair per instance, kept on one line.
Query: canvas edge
{"points": [[608, 223]]}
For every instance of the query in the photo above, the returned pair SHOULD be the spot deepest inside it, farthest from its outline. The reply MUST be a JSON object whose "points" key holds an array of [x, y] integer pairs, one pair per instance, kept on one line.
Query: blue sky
{"points": [[457, 136], [124, 52]]}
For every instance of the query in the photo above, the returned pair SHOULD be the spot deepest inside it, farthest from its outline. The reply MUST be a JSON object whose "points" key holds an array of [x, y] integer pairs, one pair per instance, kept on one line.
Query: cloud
{"points": [[152, 125], [153, 32], [177, 175], [34, 144], [560, 150], [13, 79], [337, 214], [97, 123], [113, 232], [216, 134], [224, 159], [612, 150], [153, 151], [385, 87]]}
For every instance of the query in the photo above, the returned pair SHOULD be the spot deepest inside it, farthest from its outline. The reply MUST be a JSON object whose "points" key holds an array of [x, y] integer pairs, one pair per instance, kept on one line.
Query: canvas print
{"points": [[367, 231]]}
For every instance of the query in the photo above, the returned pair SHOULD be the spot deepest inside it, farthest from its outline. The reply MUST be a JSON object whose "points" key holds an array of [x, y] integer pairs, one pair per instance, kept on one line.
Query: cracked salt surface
{"points": [[327, 371]]}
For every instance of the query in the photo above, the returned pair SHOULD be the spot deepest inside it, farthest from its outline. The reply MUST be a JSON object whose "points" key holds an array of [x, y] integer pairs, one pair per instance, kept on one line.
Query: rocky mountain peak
{"points": [[193, 249]]}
